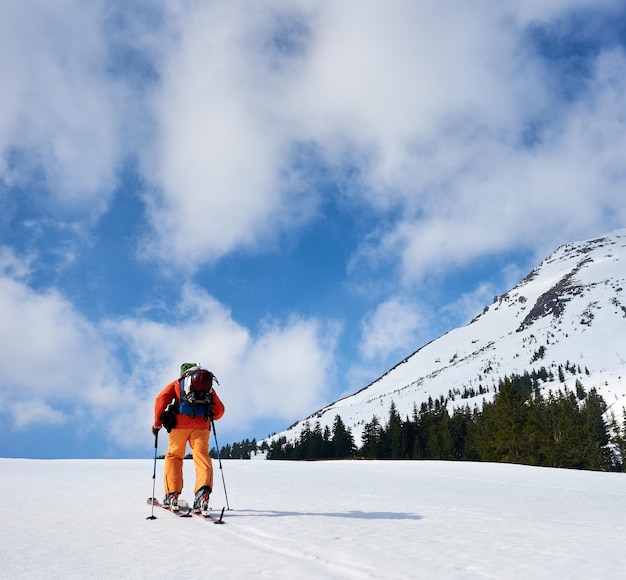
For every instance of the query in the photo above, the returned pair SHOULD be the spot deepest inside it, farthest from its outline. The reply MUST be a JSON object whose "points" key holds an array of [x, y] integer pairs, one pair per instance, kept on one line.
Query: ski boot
{"points": [[201, 500], [171, 501]]}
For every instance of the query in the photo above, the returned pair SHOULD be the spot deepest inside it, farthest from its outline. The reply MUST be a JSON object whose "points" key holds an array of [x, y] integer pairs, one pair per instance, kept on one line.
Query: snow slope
{"points": [[573, 305], [344, 519]]}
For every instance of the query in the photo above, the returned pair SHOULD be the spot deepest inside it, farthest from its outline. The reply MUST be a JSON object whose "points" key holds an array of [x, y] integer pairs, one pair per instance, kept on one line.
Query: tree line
{"points": [[521, 425], [241, 450]]}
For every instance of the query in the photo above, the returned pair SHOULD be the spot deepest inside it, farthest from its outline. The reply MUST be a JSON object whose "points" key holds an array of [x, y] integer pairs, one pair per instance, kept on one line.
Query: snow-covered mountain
{"points": [[570, 311]]}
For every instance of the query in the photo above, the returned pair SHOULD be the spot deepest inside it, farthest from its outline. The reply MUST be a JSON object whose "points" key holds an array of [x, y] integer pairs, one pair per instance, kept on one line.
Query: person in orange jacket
{"points": [[188, 422]]}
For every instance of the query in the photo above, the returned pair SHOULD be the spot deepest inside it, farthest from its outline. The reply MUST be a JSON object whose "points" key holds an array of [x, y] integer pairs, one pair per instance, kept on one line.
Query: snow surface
{"points": [[327, 519]]}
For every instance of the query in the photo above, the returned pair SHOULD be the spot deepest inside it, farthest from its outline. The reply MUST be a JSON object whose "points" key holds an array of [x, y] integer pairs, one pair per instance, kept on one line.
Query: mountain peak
{"points": [[570, 309]]}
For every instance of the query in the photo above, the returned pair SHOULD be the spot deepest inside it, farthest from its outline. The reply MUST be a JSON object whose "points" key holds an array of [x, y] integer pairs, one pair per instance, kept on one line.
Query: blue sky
{"points": [[295, 194]]}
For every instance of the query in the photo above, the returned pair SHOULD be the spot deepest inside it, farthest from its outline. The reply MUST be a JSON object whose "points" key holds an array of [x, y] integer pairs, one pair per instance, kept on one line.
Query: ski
{"points": [[183, 511], [210, 517]]}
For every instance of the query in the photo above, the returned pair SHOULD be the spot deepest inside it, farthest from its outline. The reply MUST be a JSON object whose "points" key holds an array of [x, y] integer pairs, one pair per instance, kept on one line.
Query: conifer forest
{"points": [[521, 424]]}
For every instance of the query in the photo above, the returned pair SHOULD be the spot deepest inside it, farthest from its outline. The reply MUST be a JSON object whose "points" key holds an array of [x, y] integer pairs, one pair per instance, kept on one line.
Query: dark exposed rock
{"points": [[553, 301]]}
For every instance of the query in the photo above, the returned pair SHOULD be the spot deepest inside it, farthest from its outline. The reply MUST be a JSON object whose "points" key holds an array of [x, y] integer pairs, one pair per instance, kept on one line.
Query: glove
{"points": [[169, 419], [155, 430]]}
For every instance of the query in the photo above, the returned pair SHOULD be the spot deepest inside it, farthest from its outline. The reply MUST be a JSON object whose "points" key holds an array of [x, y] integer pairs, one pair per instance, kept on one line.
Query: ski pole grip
{"points": [[156, 439]]}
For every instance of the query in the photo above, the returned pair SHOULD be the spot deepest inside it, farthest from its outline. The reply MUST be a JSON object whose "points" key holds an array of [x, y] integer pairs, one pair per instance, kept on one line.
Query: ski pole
{"points": [[156, 444], [219, 460]]}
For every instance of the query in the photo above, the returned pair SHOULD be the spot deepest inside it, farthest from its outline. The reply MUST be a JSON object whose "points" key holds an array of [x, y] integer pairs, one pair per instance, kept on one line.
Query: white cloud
{"points": [[56, 367], [361, 84], [495, 195], [385, 79], [286, 371], [16, 267], [427, 102], [59, 109], [33, 412], [392, 326], [471, 304], [222, 159], [49, 351], [282, 372]]}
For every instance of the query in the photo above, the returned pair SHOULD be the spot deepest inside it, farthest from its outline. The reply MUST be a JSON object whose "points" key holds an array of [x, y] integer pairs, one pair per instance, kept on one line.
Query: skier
{"points": [[187, 424]]}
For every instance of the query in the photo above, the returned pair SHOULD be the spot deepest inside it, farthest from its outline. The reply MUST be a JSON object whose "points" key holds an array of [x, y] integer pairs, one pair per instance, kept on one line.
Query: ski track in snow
{"points": [[305, 520], [273, 544]]}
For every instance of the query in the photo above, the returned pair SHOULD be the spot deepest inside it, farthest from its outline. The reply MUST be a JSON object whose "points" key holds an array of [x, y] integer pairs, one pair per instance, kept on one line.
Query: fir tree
{"points": [[502, 433], [596, 453], [342, 441], [394, 434], [371, 439]]}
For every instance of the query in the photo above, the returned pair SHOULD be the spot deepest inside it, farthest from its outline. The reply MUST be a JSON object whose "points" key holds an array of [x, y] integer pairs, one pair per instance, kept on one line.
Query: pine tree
{"points": [[503, 429], [342, 440], [303, 447], [316, 443], [595, 433], [463, 435], [564, 446], [394, 434], [371, 439], [327, 444], [439, 433], [580, 390]]}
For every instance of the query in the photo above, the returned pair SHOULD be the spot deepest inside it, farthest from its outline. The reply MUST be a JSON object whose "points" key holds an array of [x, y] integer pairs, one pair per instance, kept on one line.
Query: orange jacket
{"points": [[164, 398]]}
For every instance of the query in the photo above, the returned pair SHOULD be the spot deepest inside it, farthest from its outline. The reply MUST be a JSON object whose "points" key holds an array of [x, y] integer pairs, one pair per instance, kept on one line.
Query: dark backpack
{"points": [[196, 392]]}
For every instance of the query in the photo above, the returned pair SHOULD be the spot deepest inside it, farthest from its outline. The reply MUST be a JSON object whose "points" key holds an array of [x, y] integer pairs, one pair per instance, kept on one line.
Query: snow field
{"points": [[329, 519]]}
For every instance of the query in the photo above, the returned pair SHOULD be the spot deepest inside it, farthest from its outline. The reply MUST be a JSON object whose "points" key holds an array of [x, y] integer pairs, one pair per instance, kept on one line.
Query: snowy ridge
{"points": [[570, 310]]}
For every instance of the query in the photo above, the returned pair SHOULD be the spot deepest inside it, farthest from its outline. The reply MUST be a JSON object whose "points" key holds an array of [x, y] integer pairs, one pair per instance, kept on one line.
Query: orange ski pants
{"points": [[198, 440]]}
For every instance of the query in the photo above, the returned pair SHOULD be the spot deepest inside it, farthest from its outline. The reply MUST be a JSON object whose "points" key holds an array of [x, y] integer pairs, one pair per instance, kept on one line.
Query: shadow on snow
{"points": [[355, 514]]}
